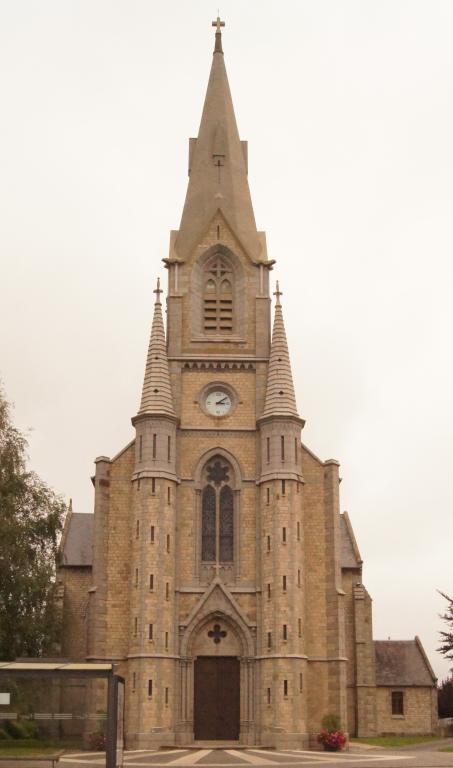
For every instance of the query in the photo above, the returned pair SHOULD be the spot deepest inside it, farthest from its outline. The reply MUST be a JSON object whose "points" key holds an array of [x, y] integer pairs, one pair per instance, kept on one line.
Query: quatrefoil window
{"points": [[217, 634]]}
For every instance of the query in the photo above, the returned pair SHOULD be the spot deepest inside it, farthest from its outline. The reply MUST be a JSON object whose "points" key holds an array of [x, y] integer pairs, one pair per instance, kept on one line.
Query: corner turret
{"points": [[155, 422], [280, 423]]}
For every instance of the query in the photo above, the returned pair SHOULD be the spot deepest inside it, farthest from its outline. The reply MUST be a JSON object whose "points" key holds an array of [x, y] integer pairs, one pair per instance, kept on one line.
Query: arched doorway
{"points": [[217, 698], [217, 653]]}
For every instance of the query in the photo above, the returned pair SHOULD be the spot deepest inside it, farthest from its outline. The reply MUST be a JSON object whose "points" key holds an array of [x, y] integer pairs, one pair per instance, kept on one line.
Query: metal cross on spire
{"points": [[217, 23], [277, 293]]}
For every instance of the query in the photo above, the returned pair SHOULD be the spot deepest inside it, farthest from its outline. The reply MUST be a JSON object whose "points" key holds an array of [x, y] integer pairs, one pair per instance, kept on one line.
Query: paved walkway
{"points": [[360, 756]]}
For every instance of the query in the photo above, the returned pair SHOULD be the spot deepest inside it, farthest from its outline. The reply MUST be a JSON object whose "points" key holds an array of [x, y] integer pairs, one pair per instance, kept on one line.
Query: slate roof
{"points": [[402, 662], [350, 555], [78, 540]]}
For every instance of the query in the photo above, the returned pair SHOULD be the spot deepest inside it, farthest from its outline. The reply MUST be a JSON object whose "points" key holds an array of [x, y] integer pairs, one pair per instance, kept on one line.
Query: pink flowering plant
{"points": [[96, 741], [331, 736]]}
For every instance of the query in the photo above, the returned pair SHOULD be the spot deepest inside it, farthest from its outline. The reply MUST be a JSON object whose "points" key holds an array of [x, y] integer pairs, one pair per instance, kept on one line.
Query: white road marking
{"points": [[87, 761], [191, 758], [248, 758], [306, 757], [81, 754], [296, 755], [304, 762], [154, 752], [326, 757]]}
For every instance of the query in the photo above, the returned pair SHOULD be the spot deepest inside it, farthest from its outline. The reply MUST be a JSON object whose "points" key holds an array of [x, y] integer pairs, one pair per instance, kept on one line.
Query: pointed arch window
{"points": [[226, 525], [218, 291], [208, 546], [217, 527]]}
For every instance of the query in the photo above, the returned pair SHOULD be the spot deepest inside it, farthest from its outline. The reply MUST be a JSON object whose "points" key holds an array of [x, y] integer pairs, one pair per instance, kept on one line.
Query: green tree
{"points": [[445, 698], [446, 649], [30, 521]]}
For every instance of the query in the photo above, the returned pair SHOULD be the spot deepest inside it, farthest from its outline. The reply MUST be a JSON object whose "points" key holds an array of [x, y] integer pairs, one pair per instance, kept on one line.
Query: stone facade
{"points": [[420, 711], [216, 532]]}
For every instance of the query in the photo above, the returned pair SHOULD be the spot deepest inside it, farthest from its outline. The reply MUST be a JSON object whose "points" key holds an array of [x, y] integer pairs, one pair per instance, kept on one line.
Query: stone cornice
{"points": [[153, 415], [280, 417]]}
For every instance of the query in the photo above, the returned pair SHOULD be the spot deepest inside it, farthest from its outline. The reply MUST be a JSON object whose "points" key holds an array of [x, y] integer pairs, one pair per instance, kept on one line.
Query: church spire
{"points": [[218, 169], [280, 397], [156, 394]]}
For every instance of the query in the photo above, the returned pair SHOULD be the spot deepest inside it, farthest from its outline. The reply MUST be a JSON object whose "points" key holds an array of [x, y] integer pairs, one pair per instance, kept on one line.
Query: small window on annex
{"points": [[397, 703], [218, 292], [217, 513]]}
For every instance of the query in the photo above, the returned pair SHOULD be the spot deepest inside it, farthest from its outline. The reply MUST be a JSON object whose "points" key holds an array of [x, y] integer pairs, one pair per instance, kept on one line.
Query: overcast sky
{"points": [[348, 110]]}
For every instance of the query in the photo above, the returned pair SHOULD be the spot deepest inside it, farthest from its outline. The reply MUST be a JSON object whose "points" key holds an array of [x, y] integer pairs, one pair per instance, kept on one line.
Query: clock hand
{"points": [[221, 402]]}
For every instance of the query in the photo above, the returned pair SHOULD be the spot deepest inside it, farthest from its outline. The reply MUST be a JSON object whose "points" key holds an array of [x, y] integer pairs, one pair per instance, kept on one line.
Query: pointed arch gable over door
{"points": [[198, 643]]}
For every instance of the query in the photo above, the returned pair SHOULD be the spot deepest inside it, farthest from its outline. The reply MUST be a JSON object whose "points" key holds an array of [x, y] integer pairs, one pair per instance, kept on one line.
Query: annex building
{"points": [[217, 571]]}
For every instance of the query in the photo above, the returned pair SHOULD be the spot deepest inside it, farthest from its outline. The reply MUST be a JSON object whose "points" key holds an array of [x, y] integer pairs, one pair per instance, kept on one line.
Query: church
{"points": [[217, 572]]}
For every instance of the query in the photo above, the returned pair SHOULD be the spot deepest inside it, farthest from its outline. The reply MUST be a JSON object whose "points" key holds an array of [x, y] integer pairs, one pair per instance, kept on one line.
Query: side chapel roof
{"points": [[349, 553], [402, 662], [77, 542]]}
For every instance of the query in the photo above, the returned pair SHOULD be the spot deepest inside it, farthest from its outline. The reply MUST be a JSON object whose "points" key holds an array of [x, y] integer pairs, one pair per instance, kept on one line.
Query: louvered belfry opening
{"points": [[217, 523], [218, 296]]}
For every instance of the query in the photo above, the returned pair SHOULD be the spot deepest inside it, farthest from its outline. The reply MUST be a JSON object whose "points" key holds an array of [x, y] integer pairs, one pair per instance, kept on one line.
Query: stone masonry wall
{"points": [[76, 582], [418, 714]]}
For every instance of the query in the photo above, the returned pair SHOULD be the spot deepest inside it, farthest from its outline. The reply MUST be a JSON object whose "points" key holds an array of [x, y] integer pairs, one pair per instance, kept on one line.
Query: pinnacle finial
{"points": [[218, 24], [157, 394], [280, 398], [158, 290], [277, 293]]}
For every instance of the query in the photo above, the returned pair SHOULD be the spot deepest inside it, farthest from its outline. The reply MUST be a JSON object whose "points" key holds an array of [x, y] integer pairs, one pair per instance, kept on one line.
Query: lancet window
{"points": [[218, 295], [217, 526]]}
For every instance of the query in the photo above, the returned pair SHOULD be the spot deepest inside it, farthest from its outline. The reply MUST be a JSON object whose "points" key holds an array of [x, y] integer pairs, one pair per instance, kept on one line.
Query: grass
{"points": [[446, 749], [395, 741], [32, 747]]}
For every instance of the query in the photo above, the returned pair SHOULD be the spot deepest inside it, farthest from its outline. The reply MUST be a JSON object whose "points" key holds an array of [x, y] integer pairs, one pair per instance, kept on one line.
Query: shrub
{"points": [[3, 734], [21, 729], [96, 741], [16, 729], [331, 723], [31, 729]]}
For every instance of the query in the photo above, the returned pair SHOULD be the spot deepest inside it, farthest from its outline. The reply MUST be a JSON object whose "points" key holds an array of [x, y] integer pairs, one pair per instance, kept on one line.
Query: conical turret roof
{"points": [[157, 396], [280, 398], [218, 170]]}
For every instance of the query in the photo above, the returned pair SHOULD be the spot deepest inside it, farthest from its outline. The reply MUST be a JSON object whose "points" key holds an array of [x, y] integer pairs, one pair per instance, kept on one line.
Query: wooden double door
{"points": [[217, 702]]}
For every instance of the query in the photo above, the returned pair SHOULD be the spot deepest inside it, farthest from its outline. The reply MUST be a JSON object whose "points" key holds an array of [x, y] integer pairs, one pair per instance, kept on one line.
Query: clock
{"points": [[218, 402]]}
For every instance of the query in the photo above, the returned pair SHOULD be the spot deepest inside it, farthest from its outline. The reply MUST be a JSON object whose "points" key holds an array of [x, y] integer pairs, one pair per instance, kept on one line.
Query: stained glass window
{"points": [[208, 532], [226, 524], [217, 504]]}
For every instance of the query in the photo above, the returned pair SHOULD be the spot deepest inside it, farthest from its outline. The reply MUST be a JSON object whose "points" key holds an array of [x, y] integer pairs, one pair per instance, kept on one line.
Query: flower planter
{"points": [[332, 741]]}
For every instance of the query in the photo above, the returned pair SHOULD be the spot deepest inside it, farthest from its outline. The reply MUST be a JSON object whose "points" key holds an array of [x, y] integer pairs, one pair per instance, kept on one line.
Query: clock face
{"points": [[218, 402]]}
